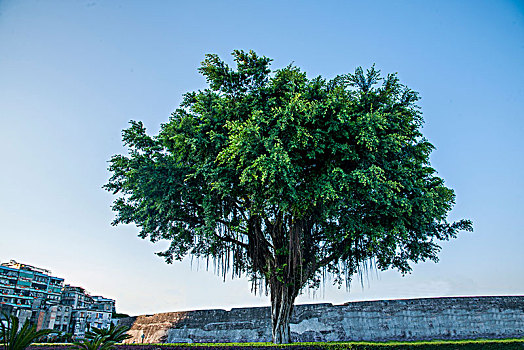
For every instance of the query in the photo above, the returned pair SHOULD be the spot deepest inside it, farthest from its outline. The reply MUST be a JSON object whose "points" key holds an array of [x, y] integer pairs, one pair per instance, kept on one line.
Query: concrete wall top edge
{"points": [[483, 301], [434, 298]]}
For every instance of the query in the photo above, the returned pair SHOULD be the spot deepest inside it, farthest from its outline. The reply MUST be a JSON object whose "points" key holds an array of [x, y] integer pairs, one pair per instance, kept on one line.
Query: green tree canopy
{"points": [[284, 178]]}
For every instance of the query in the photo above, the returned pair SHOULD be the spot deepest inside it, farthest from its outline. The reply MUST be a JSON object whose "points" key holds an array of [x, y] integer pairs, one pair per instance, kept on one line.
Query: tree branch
{"points": [[231, 240]]}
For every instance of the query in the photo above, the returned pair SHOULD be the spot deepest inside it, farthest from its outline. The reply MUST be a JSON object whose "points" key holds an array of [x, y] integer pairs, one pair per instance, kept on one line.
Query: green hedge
{"points": [[504, 344]]}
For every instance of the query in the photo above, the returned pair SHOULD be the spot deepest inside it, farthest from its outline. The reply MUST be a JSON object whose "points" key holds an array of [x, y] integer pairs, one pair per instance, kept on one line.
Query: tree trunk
{"points": [[282, 300]]}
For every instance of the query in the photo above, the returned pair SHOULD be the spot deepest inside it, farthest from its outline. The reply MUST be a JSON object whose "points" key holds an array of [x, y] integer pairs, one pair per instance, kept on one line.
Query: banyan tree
{"points": [[287, 179]]}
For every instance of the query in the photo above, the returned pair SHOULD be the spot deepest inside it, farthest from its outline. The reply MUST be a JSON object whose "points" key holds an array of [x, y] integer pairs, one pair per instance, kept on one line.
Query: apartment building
{"points": [[33, 292], [88, 311], [25, 286], [76, 297], [102, 311]]}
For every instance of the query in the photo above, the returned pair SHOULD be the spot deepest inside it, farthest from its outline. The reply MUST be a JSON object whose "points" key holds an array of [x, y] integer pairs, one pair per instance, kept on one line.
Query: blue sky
{"points": [[73, 73]]}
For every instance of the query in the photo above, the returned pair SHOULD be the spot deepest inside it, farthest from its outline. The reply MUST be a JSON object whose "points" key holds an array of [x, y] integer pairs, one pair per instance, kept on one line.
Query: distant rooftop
{"points": [[71, 288], [16, 265]]}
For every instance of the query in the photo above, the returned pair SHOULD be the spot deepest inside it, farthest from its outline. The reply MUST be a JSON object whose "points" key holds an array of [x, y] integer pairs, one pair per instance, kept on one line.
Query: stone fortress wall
{"points": [[406, 319]]}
